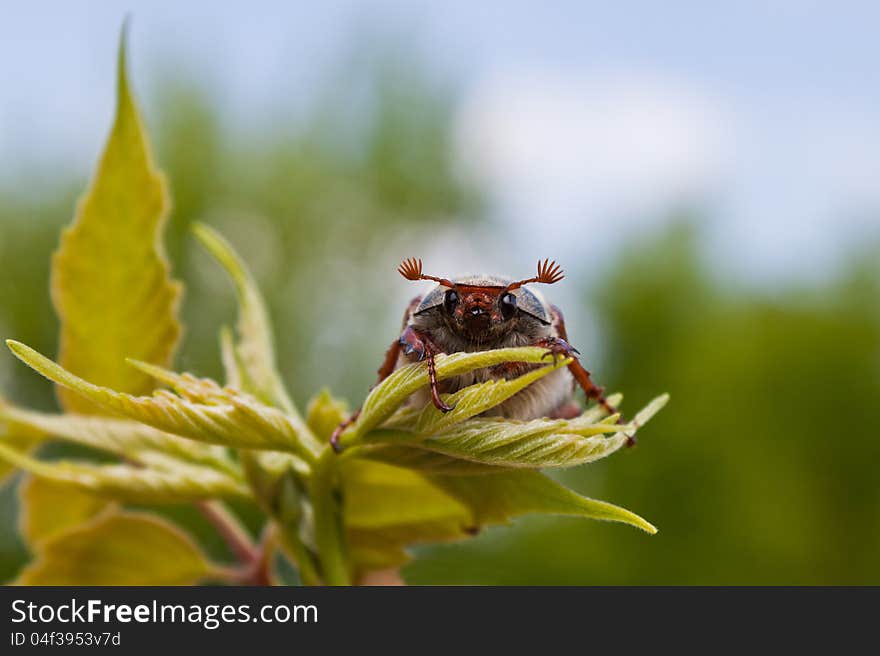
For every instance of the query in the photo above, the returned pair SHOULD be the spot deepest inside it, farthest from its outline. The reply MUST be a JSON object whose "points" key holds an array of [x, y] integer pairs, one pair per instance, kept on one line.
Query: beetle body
{"points": [[532, 320], [481, 313]]}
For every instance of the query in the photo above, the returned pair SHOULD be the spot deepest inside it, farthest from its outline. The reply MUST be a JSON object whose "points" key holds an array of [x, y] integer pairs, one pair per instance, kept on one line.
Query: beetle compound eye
{"points": [[450, 301], [508, 305]]}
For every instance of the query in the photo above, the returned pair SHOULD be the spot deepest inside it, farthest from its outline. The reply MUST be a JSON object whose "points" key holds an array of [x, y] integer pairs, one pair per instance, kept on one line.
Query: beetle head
{"points": [[481, 312]]}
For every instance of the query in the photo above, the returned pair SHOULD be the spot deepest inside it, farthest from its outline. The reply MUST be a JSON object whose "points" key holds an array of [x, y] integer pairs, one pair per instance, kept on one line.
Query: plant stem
{"points": [[329, 531], [261, 569], [299, 554], [230, 529], [384, 577], [225, 574]]}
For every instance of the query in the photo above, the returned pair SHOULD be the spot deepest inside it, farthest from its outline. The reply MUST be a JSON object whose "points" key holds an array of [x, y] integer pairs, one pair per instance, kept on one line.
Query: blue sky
{"points": [[593, 118]]}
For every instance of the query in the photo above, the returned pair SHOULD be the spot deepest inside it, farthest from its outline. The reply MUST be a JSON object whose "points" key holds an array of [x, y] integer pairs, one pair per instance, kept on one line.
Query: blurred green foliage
{"points": [[763, 468]]}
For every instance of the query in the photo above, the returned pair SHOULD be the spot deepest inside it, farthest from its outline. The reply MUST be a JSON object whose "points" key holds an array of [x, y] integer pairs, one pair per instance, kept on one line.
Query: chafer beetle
{"points": [[480, 313]]}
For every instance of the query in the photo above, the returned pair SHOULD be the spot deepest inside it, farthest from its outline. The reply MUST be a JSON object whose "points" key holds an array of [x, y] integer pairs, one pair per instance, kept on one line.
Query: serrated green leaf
{"points": [[110, 278], [228, 417], [256, 346], [118, 549], [277, 480], [386, 397], [491, 443], [128, 439], [647, 413], [174, 483], [473, 400], [433, 462], [497, 498], [428, 462], [254, 353], [48, 507], [268, 472], [503, 443]]}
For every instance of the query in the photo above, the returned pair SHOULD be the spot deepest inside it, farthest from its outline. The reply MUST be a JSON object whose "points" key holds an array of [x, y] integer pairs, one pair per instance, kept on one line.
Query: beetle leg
{"points": [[410, 342], [557, 347], [432, 378], [389, 364], [334, 438], [581, 375], [419, 344]]}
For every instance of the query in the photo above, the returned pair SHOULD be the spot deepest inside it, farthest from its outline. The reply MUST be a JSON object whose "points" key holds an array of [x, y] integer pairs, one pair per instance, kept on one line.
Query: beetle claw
{"points": [[558, 347], [411, 346]]}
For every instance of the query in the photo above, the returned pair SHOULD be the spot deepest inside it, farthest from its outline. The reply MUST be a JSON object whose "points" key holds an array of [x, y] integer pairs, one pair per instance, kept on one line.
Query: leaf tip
{"points": [[631, 518], [200, 230], [221, 251], [21, 351], [648, 412], [122, 58]]}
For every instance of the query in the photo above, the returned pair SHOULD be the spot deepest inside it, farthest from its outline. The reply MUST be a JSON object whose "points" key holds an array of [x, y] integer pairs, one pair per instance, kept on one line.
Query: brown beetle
{"points": [[480, 313]]}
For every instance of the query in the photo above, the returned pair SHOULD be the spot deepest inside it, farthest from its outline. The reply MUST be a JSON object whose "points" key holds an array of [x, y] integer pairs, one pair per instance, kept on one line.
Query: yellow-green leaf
{"points": [[129, 439], [227, 417], [471, 401], [324, 413], [497, 498], [388, 508], [279, 489], [256, 346], [17, 436], [645, 414], [118, 549], [110, 279], [48, 507], [428, 462], [371, 553], [534, 444], [379, 495], [498, 443], [254, 353], [232, 369], [175, 483], [387, 397]]}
